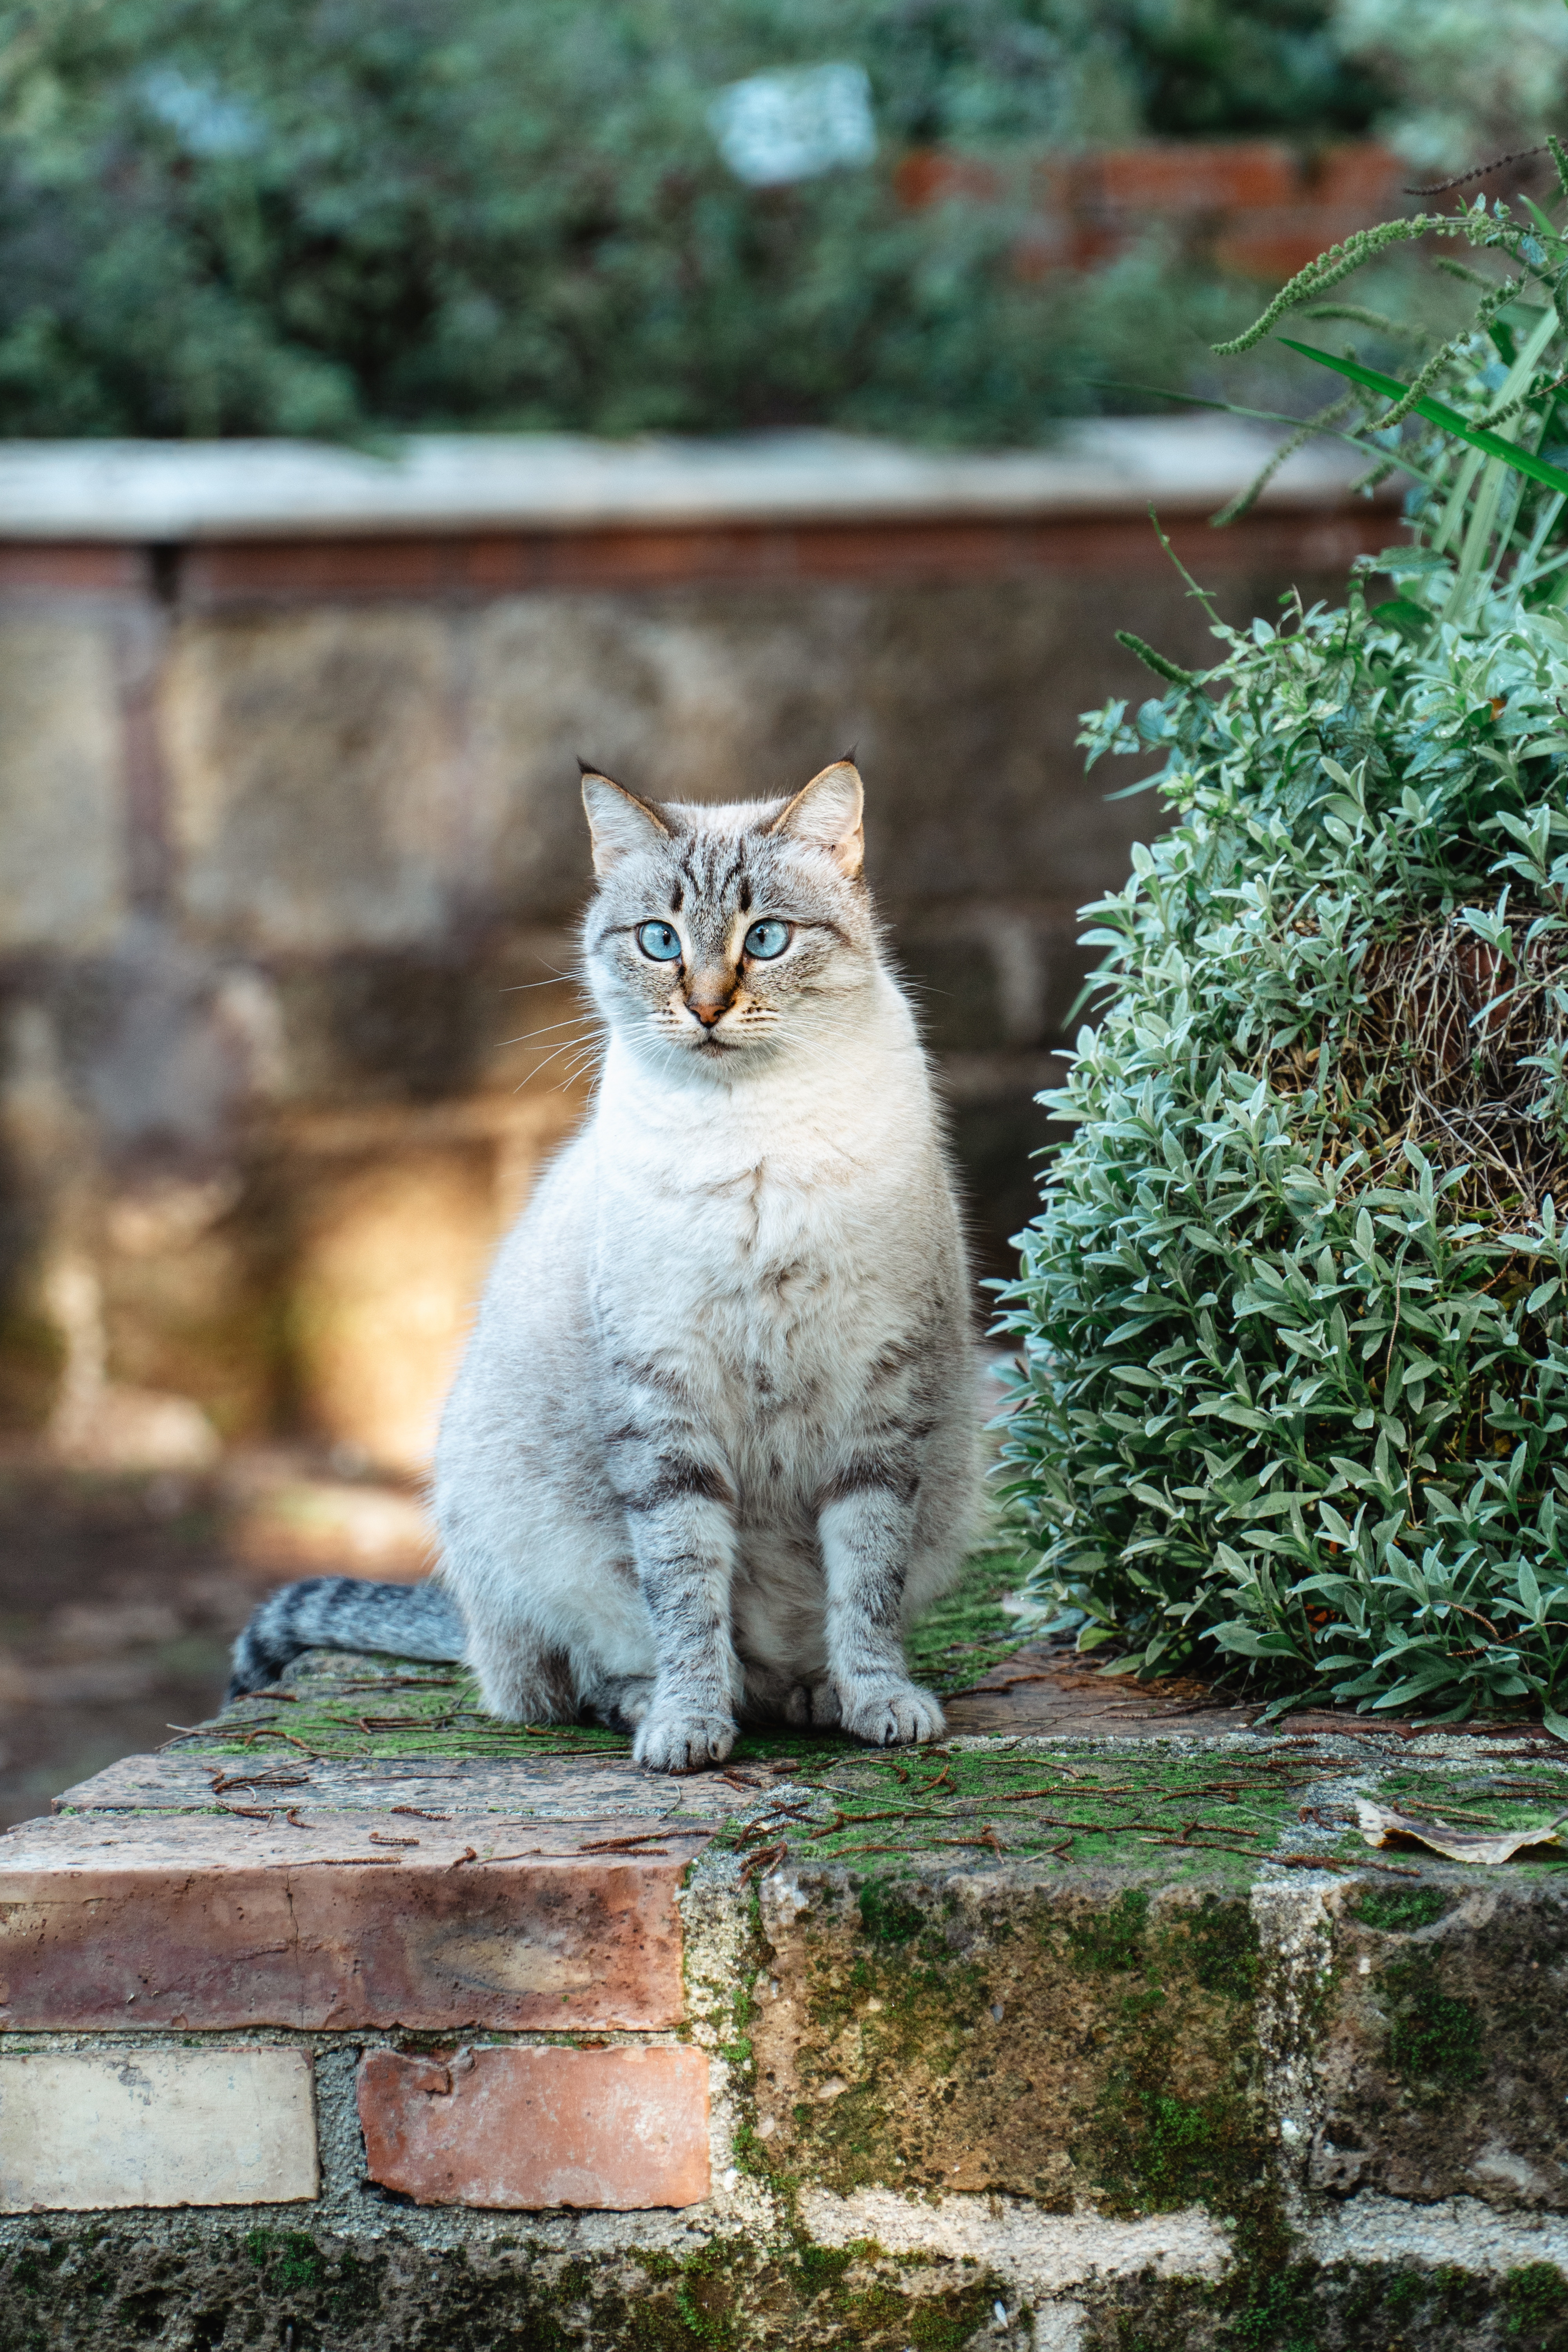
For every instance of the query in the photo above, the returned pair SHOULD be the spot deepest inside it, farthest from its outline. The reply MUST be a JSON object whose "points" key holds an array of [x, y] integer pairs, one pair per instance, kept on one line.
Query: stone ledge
{"points": [[1061, 2038], [164, 492]]}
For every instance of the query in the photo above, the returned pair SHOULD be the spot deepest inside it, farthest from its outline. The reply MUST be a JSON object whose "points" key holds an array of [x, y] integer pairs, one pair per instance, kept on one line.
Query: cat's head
{"points": [[727, 935]]}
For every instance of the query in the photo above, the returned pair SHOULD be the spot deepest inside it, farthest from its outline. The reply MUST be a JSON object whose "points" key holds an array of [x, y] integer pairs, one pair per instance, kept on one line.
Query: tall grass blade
{"points": [[1437, 412]]}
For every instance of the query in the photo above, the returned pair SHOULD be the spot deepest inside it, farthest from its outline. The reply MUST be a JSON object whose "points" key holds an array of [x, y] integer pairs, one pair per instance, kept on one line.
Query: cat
{"points": [[714, 1441]]}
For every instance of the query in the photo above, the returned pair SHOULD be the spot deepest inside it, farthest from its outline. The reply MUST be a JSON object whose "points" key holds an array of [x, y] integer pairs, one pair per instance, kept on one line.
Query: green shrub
{"points": [[330, 216], [1294, 1314]]}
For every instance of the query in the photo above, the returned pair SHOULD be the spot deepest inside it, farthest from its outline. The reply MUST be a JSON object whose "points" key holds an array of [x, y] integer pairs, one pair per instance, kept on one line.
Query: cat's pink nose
{"points": [[707, 1009]]}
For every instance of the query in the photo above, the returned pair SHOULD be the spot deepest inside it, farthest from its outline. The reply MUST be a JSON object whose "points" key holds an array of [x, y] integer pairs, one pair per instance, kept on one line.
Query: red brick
{"points": [[69, 568], [192, 1921], [1364, 175], [932, 175], [1186, 176], [1288, 237], [617, 2129]]}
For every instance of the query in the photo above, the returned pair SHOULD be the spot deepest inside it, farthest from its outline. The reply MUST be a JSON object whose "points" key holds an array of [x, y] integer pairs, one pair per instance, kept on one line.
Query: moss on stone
{"points": [[1534, 2296], [1203, 1817], [1045, 2039], [1113, 1940], [91, 2288], [1398, 1910], [291, 2258], [1433, 2039], [222, 2287], [887, 1918], [967, 1633], [1342, 2307]]}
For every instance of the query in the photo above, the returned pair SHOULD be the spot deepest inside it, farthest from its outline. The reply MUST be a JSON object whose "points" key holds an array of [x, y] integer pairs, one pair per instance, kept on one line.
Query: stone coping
{"points": [[165, 491]]}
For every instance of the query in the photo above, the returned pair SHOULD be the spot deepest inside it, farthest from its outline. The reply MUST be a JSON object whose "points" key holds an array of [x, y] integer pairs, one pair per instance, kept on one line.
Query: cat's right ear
{"points": [[618, 822]]}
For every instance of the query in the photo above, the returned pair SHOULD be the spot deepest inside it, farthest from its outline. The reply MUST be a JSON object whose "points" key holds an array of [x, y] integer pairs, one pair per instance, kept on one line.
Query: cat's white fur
{"points": [[754, 1252]]}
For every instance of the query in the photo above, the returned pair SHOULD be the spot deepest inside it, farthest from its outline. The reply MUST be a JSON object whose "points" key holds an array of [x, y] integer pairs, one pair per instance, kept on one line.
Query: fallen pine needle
{"points": [[763, 1859]]}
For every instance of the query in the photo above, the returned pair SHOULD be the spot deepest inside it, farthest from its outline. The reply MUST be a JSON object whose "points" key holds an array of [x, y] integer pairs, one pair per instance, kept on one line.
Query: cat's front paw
{"points": [[672, 1739], [889, 1714]]}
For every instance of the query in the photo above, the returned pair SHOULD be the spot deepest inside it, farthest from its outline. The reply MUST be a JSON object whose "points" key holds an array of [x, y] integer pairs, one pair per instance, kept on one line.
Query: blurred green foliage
{"points": [[1209, 69], [340, 216]]}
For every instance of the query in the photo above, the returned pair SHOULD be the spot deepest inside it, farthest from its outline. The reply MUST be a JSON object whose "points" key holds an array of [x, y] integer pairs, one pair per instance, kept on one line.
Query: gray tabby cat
{"points": [[714, 1440]]}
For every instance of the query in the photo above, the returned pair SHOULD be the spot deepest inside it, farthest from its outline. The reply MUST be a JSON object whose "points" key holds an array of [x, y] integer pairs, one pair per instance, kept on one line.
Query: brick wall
{"points": [[292, 848], [430, 2050], [1261, 207]]}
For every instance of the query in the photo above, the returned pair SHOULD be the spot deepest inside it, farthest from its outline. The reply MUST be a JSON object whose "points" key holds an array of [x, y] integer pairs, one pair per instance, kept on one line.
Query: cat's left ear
{"points": [[827, 815]]}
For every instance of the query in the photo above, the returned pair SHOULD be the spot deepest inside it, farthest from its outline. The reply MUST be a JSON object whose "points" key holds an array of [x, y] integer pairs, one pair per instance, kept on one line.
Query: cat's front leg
{"points": [[681, 1513], [866, 1531]]}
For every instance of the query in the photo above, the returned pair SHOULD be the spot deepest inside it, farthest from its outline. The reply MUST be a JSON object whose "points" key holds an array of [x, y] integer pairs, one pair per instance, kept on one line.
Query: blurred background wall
{"points": [[308, 600], [296, 850]]}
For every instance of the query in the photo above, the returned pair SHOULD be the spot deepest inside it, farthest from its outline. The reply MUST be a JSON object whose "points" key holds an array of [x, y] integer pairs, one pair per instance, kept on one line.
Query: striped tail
{"points": [[342, 1612]]}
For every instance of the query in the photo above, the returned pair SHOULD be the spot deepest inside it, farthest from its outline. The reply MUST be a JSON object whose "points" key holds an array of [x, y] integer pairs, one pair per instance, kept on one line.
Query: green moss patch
{"points": [[1186, 1815], [113, 2290], [1399, 1910], [1435, 2042], [1037, 2039], [350, 1709], [957, 1642]]}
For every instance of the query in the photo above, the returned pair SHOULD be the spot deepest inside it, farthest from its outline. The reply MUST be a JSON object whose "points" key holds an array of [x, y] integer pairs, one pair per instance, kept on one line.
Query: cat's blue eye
{"points": [[767, 938], [659, 940]]}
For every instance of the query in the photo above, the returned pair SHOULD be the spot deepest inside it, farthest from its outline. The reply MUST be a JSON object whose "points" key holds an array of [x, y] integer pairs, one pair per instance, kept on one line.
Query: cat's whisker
{"points": [[574, 1077], [568, 1046], [547, 1028], [558, 980]]}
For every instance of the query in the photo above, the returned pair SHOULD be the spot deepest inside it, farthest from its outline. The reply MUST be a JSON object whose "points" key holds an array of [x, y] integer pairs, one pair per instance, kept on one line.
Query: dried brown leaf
{"points": [[1379, 1824]]}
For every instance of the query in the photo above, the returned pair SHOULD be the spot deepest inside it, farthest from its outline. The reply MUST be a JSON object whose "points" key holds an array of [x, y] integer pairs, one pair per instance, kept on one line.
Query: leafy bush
{"points": [[1294, 1314], [323, 217]]}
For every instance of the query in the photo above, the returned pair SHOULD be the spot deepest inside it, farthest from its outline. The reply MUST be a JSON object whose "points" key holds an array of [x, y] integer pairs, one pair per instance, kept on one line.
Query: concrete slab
{"points": [[81, 2132], [541, 1789]]}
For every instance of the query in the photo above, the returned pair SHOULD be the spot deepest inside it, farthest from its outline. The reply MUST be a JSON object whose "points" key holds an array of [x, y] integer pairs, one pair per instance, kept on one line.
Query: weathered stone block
{"points": [[147, 2126], [688, 694], [617, 2129], [1441, 2060], [314, 801], [206, 1922], [1007, 2035], [62, 828]]}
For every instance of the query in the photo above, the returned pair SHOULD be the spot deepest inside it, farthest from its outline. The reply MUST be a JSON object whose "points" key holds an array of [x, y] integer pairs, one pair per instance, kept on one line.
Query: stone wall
{"points": [[292, 851], [361, 2023]]}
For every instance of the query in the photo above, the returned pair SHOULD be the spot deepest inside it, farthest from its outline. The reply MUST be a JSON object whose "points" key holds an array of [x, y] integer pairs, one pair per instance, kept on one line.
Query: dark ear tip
{"points": [[850, 758], [587, 767]]}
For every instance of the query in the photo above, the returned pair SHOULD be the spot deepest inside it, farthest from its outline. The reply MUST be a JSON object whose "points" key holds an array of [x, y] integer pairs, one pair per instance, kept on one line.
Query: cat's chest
{"points": [[754, 1273], [704, 1236]]}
